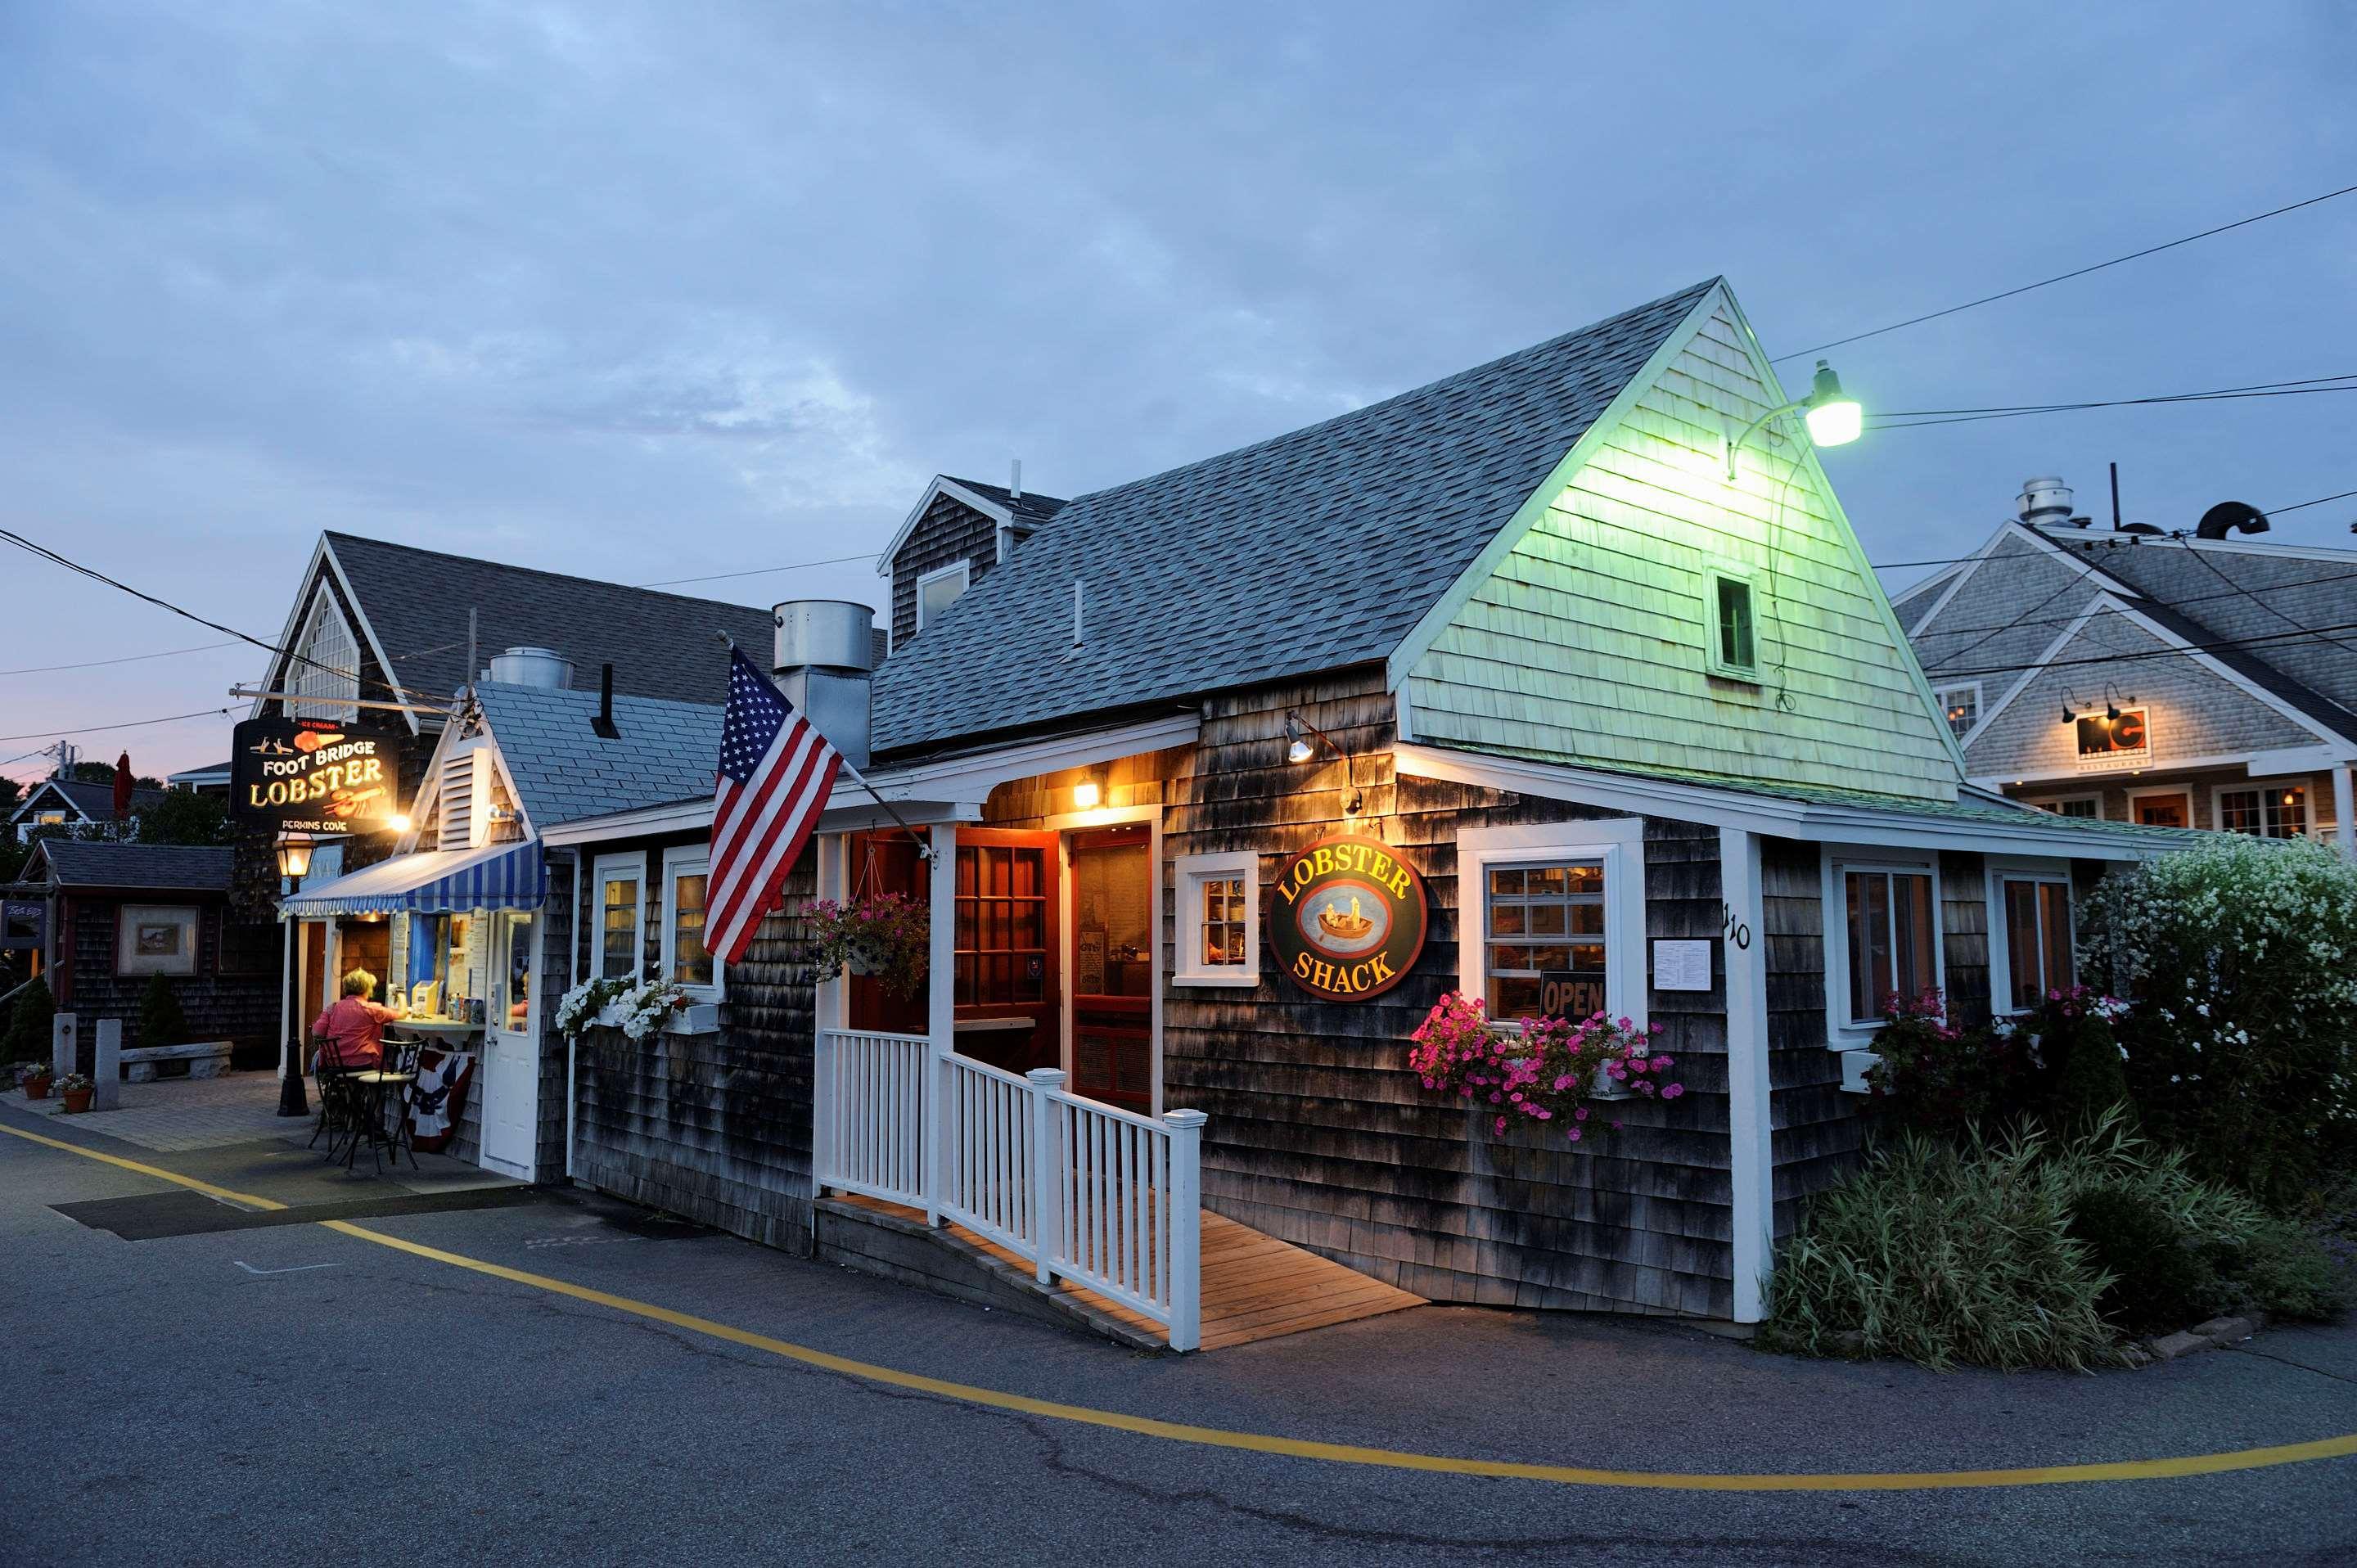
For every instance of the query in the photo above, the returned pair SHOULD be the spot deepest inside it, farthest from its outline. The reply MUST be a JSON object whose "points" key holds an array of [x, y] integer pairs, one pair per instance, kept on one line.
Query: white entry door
{"points": [[512, 1048]]}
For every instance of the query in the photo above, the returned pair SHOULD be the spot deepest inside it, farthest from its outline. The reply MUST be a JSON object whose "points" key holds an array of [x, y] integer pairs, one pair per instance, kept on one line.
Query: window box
{"points": [[1854, 1066], [698, 1019]]}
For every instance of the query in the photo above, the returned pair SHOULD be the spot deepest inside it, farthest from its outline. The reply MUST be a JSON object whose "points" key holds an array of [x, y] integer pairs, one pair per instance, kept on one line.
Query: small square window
{"points": [[1961, 707], [1218, 920]]}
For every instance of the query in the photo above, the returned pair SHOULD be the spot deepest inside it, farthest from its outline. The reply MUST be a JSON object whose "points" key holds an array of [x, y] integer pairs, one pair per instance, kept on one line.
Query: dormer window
{"points": [[938, 589]]}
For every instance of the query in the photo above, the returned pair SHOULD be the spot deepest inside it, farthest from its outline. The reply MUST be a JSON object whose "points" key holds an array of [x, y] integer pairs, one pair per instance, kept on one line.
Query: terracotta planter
{"points": [[77, 1100], [37, 1088]]}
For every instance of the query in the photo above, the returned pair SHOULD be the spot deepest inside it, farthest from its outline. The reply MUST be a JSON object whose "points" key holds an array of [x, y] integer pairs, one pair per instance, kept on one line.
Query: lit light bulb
{"points": [[1085, 795], [1834, 419]]}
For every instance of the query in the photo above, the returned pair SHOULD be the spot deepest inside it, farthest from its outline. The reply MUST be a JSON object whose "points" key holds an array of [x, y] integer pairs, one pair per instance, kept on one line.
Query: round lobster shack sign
{"points": [[1349, 918]]}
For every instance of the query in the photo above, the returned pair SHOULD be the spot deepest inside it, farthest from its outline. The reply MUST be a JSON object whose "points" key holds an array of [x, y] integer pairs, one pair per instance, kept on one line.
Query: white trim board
{"points": [[2036, 834], [1620, 844], [942, 485]]}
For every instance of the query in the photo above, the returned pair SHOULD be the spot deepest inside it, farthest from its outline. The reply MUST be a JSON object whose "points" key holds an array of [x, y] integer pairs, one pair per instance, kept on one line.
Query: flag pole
{"points": [[924, 845]]}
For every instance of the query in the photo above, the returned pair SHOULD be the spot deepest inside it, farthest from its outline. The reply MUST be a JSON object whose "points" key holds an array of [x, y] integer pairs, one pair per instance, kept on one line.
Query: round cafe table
{"points": [[378, 1084]]}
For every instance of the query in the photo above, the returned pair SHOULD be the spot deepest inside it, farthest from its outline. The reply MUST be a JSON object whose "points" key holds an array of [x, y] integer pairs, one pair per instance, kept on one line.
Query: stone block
{"points": [[63, 1033], [205, 1058], [2169, 1347], [106, 1067]]}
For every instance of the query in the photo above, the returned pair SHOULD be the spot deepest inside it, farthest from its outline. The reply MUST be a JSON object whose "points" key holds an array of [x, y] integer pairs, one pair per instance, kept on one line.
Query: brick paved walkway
{"points": [[184, 1113]]}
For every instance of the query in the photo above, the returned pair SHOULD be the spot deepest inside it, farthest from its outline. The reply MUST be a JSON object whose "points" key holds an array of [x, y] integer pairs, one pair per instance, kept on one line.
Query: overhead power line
{"points": [[2062, 277], [2219, 644], [763, 571], [126, 658], [94, 729], [2222, 396]]}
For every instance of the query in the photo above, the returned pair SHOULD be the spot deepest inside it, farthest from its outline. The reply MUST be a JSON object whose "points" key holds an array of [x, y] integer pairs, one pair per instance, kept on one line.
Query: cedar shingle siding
{"points": [[950, 532]]}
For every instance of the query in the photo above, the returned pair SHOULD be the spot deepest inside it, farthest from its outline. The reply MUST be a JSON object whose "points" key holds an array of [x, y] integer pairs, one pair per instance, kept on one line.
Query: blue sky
{"points": [[647, 292]]}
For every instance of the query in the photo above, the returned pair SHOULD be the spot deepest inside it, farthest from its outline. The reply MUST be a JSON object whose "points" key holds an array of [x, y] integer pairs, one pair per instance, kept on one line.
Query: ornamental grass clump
{"points": [[1550, 1070]]}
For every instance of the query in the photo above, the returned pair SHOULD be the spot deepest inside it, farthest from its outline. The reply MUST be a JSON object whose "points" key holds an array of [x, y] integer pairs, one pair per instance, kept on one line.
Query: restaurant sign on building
{"points": [[1348, 919], [313, 776]]}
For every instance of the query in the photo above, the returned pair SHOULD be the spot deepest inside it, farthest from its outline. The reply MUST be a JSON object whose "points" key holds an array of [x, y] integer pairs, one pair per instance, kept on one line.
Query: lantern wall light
{"points": [[1834, 418], [1302, 741], [295, 858]]}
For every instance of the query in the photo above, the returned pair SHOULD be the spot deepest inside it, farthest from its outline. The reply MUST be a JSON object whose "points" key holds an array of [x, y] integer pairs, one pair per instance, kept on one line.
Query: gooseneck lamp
{"points": [[1833, 417], [1302, 741]]}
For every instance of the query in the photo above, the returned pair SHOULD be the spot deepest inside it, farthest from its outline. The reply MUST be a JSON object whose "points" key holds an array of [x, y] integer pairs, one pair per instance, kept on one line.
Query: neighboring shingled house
{"points": [[70, 803], [957, 534], [2177, 681], [120, 913]]}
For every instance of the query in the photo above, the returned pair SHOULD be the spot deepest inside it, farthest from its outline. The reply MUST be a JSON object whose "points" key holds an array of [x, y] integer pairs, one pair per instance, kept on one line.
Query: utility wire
{"points": [[126, 658], [2060, 277], [763, 571], [94, 729], [2046, 407], [2224, 644], [2115, 402]]}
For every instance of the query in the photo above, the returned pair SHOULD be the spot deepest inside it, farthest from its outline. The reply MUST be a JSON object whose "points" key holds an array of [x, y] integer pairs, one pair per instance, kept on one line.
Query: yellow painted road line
{"points": [[208, 1189], [1305, 1449]]}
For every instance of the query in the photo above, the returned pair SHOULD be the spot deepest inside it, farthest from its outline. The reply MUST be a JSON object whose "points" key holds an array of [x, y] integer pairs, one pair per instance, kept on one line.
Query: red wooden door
{"points": [[886, 862], [1006, 988], [1113, 962]]}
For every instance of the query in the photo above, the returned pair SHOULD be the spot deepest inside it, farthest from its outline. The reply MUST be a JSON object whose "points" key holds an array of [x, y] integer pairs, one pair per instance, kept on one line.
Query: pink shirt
{"points": [[354, 1033]]}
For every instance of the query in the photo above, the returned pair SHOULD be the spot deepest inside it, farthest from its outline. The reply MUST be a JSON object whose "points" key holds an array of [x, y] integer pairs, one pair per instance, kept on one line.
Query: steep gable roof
{"points": [[1314, 550], [415, 603], [95, 801], [564, 770]]}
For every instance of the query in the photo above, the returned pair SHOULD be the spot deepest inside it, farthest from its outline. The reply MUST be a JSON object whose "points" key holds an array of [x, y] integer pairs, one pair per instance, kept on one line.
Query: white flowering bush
{"points": [[645, 1007], [2242, 958], [581, 1006]]}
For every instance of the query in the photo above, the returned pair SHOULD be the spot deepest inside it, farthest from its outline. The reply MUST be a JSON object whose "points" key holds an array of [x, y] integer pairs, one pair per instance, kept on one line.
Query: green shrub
{"points": [[2283, 1269], [1934, 1079], [28, 1037], [2242, 957], [2162, 1280], [1944, 1254], [161, 1022]]}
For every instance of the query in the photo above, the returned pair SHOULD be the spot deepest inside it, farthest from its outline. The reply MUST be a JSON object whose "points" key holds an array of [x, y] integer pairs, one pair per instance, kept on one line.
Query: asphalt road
{"points": [[296, 1395]]}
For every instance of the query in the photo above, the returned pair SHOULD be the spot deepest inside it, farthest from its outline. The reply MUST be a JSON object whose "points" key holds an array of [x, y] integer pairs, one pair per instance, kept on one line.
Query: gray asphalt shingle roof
{"points": [[1309, 552], [660, 644], [170, 866], [95, 802], [564, 771], [1030, 509]]}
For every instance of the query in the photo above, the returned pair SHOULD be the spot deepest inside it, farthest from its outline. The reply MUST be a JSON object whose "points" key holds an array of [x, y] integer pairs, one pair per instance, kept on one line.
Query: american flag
{"points": [[776, 771]]}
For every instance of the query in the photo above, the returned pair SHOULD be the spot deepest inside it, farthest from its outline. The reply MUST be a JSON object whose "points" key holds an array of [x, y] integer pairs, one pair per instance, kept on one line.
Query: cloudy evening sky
{"points": [[648, 291]]}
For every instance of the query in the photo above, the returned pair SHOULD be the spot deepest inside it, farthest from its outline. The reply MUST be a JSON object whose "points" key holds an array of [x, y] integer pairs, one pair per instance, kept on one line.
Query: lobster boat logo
{"points": [[1349, 918]]}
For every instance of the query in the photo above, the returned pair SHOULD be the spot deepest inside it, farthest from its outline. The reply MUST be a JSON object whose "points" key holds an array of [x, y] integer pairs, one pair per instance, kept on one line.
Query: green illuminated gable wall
{"points": [[1582, 632]]}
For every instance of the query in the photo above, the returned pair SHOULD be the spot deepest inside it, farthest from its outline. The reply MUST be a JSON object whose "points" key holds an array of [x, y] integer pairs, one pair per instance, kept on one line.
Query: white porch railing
{"points": [[1083, 1192]]}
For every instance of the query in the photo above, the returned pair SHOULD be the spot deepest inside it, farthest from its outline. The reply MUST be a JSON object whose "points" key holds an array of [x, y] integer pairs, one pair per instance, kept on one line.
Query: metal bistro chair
{"points": [[340, 1101]]}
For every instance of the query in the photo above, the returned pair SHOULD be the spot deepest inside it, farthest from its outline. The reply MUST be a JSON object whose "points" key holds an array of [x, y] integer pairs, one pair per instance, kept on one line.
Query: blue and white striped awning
{"points": [[433, 882]]}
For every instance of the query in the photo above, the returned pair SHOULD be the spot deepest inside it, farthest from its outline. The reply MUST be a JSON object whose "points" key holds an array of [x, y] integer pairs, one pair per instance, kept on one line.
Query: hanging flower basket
{"points": [[885, 936], [1556, 1072]]}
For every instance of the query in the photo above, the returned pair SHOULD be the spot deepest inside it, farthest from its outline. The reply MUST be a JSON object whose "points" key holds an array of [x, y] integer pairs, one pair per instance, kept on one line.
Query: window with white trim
{"points": [[1554, 919], [1961, 705], [326, 678], [2090, 807], [1733, 634], [2030, 926], [1218, 920], [1882, 936], [618, 911], [2269, 811], [939, 588], [686, 889]]}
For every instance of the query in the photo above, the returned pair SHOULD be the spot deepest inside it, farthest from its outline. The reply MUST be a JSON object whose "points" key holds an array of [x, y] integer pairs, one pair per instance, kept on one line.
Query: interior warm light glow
{"points": [[400, 823], [1085, 795]]}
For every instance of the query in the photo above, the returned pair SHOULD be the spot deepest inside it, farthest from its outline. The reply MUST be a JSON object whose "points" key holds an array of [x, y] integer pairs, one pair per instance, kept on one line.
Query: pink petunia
{"points": [[1574, 1135], [1671, 1091], [1661, 1064]]}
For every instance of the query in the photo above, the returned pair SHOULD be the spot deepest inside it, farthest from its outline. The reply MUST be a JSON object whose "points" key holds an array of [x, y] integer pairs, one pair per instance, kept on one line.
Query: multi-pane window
{"points": [[686, 960], [2272, 814], [2085, 806], [619, 956], [1543, 940], [326, 675], [2037, 936], [1961, 705], [1218, 920], [1889, 939], [1734, 641], [1001, 924]]}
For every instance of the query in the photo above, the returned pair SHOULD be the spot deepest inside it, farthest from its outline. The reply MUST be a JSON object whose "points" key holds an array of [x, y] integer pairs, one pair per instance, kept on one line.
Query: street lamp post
{"points": [[294, 865], [1833, 416]]}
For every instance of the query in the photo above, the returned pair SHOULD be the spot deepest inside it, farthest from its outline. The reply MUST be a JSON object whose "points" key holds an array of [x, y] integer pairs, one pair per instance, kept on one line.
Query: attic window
{"points": [[938, 589], [1734, 641]]}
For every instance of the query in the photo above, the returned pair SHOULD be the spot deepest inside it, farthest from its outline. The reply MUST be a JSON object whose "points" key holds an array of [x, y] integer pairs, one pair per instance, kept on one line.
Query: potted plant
{"points": [[75, 1089], [1557, 1071], [648, 1008], [886, 935], [34, 1079], [586, 1003]]}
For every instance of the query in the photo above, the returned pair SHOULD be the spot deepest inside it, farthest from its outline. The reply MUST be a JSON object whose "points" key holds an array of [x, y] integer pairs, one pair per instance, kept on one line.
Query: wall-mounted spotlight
{"points": [[1089, 791], [1302, 741]]}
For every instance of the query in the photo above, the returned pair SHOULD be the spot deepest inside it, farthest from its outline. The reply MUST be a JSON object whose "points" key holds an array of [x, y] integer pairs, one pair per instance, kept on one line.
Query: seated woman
{"points": [[351, 1030]]}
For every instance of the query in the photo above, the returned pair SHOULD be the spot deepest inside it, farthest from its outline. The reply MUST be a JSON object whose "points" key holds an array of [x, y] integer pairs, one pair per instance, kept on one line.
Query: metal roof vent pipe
{"points": [[826, 666], [2046, 499], [2230, 517], [540, 667]]}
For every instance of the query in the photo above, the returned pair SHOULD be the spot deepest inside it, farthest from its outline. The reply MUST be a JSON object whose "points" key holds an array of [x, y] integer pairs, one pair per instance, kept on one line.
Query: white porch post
{"points": [[2344, 809], [1047, 1181], [1751, 1161], [1186, 1227], [941, 1010], [827, 1015]]}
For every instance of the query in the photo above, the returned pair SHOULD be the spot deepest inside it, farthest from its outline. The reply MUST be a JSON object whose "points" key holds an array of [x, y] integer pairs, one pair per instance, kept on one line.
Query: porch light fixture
{"points": [[398, 823], [1302, 741], [1834, 418], [1087, 792], [295, 858], [2111, 703]]}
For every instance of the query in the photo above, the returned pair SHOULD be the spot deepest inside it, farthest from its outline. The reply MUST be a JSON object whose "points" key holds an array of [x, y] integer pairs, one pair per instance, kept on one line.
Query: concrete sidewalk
{"points": [[175, 1114]]}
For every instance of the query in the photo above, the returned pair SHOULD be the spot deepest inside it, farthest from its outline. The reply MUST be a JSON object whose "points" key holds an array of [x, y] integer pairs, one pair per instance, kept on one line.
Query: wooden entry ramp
{"points": [[1253, 1287]]}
